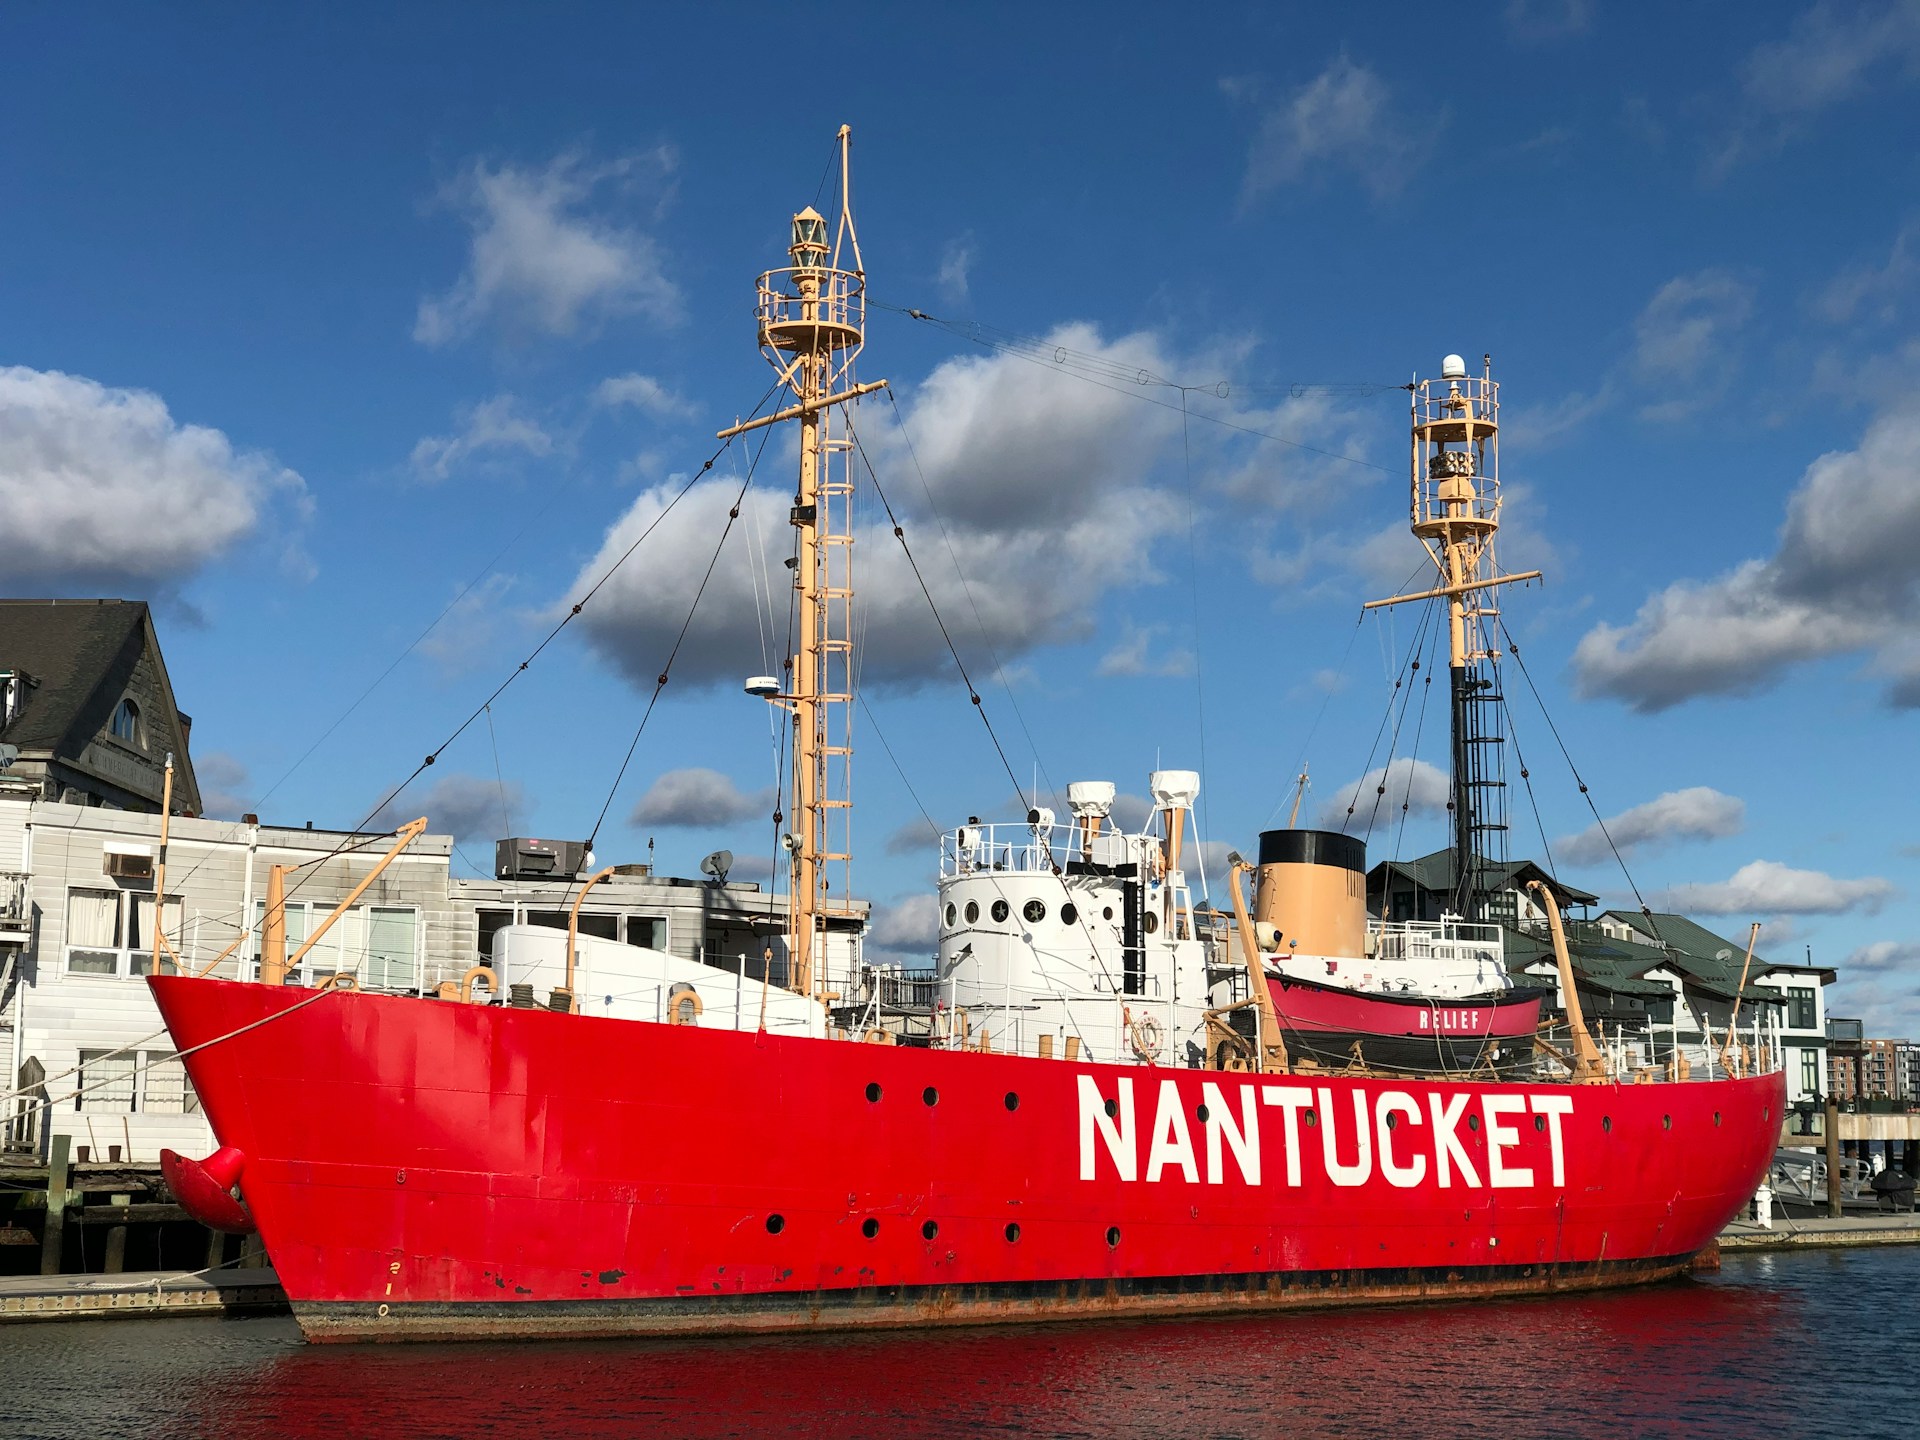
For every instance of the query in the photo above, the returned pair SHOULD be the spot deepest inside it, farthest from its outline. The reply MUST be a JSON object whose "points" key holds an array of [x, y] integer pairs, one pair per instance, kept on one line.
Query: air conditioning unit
{"points": [[128, 862], [524, 859]]}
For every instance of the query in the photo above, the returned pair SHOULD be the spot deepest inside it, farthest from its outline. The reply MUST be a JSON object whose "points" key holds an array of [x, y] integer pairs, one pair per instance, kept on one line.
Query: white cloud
{"points": [[467, 807], [956, 265], [916, 838], [1342, 119], [1766, 887], [1041, 480], [225, 786], [697, 797], [640, 392], [487, 431], [1884, 956], [1134, 655], [1696, 813], [1844, 578], [1537, 20], [1831, 54], [905, 931], [1683, 341], [1873, 291], [539, 262], [102, 488], [1421, 787]]}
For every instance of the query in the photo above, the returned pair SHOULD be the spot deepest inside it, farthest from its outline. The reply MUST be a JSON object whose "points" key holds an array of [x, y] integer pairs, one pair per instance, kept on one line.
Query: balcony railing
{"points": [[16, 910]]}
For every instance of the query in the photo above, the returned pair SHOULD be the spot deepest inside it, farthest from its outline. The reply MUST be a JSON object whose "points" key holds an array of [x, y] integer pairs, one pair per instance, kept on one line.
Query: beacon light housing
{"points": [[1090, 799]]}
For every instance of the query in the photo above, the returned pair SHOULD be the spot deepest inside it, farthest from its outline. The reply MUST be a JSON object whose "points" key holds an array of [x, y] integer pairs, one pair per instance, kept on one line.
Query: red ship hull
{"points": [[429, 1170]]}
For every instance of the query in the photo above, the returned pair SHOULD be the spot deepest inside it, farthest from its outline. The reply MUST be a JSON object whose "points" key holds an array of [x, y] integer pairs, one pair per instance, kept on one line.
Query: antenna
{"points": [[717, 865]]}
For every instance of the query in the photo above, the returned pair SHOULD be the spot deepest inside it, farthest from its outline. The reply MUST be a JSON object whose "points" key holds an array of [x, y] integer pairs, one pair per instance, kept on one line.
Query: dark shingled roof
{"points": [[70, 647], [1708, 961], [1435, 872]]}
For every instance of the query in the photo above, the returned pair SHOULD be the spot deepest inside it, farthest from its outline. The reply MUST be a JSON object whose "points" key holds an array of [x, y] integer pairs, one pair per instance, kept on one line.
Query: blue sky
{"points": [[327, 331]]}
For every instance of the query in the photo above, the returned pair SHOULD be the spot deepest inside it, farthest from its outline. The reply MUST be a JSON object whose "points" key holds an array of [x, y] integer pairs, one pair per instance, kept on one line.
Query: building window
{"points": [[110, 932], [392, 934], [651, 931], [1809, 1072], [126, 724], [378, 944], [1801, 1010], [106, 1082], [164, 1087]]}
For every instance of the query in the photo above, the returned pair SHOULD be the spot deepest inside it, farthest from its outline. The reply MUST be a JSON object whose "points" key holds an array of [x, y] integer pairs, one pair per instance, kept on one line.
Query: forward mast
{"points": [[812, 322]]}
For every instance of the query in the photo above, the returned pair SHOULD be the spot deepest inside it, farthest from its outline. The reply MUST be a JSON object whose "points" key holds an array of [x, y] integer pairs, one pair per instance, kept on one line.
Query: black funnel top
{"points": [[1313, 847]]}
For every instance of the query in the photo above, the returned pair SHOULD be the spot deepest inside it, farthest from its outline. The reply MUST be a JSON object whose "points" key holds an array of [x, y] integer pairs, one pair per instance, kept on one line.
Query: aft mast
{"points": [[1455, 513], [812, 317]]}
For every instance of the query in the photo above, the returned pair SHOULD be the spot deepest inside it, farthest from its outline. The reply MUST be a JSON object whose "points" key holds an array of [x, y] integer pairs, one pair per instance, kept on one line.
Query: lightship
{"points": [[1108, 1108]]}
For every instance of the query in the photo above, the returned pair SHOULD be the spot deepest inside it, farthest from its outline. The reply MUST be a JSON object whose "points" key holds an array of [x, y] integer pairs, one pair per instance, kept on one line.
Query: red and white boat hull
{"points": [[421, 1169]]}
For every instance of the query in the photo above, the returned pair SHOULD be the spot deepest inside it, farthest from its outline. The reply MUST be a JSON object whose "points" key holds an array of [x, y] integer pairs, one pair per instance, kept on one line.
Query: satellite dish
{"points": [[1723, 954], [717, 865]]}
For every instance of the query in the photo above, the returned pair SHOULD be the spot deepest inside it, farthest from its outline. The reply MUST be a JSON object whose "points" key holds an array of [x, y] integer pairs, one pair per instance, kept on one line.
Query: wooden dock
{"points": [[1822, 1233], [129, 1296]]}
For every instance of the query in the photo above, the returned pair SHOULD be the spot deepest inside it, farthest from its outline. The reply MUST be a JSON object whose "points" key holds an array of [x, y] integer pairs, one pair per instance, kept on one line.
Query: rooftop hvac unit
{"points": [[524, 859]]}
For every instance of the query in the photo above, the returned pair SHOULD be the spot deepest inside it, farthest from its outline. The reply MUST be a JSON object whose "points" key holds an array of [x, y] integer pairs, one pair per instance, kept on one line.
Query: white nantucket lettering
{"points": [[1398, 1102], [1446, 1144], [1291, 1101], [1500, 1138], [1362, 1167], [1171, 1143], [1117, 1131], [1243, 1139], [1553, 1107]]}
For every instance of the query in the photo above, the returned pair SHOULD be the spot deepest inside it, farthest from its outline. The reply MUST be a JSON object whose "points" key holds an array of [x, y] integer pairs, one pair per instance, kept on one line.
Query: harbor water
{"points": [[1807, 1343]]}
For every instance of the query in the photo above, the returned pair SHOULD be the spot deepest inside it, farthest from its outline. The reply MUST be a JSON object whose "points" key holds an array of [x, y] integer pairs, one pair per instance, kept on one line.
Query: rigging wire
{"points": [[1513, 649], [1413, 762], [1199, 666], [900, 770], [966, 589], [900, 534], [1399, 681], [1393, 743], [666, 670], [499, 779], [573, 612]]}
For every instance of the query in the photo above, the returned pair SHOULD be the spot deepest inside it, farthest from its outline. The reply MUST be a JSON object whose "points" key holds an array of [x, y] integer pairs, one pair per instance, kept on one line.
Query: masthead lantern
{"points": [[809, 248]]}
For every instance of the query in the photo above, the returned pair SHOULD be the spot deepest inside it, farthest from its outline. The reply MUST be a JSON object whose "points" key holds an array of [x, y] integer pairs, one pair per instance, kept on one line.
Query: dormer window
{"points": [[126, 724]]}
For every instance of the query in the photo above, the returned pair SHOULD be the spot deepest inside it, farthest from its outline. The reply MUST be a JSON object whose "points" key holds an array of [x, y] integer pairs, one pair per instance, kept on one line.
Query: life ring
{"points": [[684, 1005], [1144, 1032]]}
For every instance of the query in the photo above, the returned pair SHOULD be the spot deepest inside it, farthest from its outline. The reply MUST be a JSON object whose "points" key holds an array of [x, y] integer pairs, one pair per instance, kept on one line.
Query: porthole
{"points": [[1112, 1107], [1113, 1237], [1767, 1114], [1393, 1120], [1034, 911], [873, 1094], [1716, 1119], [1013, 1232], [1000, 911], [928, 1230], [1539, 1122], [1149, 922], [1473, 1122], [952, 915], [775, 1224], [1013, 1101], [1666, 1122], [973, 912], [1200, 1113], [930, 1096], [1312, 1119], [1106, 912], [869, 1227], [1606, 1122], [1069, 915]]}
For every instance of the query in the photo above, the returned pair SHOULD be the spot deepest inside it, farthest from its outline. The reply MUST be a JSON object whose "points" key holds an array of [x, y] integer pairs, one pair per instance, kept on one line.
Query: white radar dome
{"points": [[1453, 368]]}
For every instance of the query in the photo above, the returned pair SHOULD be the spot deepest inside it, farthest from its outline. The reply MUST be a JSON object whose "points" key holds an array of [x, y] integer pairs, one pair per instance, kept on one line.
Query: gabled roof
{"points": [[1616, 966], [70, 647], [1708, 961], [1435, 872]]}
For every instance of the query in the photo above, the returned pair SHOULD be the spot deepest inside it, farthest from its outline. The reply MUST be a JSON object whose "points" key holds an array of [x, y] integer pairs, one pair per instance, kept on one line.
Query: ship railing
{"points": [[1433, 939], [1014, 849], [893, 988]]}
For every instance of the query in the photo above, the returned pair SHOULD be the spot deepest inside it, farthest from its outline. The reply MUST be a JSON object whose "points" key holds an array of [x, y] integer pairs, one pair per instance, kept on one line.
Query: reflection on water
{"points": [[1802, 1343]]}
